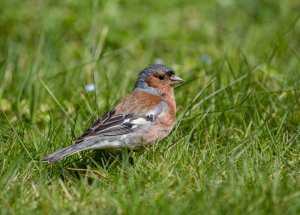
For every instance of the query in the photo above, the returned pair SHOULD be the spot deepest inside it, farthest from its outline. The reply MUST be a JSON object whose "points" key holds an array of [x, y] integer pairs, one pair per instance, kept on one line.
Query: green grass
{"points": [[235, 148]]}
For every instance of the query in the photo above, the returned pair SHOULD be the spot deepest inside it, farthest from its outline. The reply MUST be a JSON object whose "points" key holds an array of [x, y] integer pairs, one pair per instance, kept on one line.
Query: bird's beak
{"points": [[176, 80]]}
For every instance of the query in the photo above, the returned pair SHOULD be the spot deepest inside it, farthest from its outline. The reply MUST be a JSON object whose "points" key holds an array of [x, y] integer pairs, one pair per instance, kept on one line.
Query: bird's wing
{"points": [[108, 125], [129, 116]]}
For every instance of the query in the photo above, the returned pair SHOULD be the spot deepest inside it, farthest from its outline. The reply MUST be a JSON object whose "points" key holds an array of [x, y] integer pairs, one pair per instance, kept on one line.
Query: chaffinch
{"points": [[144, 116]]}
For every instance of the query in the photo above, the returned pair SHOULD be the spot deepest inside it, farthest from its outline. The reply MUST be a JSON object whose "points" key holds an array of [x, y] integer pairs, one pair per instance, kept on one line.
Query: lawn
{"points": [[235, 148]]}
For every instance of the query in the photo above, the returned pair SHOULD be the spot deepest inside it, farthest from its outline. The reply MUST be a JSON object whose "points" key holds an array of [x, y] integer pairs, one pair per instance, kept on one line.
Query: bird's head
{"points": [[157, 76]]}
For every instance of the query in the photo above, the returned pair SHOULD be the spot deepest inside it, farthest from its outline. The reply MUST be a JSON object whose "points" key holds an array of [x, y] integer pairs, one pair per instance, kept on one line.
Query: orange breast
{"points": [[164, 124]]}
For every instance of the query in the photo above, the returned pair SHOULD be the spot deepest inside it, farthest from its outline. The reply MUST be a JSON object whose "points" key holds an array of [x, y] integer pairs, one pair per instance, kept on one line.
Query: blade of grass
{"points": [[224, 88]]}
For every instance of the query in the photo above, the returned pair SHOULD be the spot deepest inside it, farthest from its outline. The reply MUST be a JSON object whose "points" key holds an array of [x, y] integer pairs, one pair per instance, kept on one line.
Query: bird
{"points": [[143, 117]]}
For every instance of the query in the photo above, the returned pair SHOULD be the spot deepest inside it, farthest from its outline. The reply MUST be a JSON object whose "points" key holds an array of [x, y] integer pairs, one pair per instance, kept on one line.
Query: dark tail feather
{"points": [[66, 152]]}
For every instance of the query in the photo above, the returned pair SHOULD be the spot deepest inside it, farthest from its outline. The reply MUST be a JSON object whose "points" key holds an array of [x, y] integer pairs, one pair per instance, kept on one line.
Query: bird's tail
{"points": [[65, 152]]}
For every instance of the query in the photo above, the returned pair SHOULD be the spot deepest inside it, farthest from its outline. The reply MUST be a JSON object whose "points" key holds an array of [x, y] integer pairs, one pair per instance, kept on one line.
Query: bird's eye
{"points": [[161, 77]]}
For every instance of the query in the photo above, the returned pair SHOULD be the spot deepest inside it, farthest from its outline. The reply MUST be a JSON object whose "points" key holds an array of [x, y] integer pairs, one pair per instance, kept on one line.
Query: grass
{"points": [[235, 148]]}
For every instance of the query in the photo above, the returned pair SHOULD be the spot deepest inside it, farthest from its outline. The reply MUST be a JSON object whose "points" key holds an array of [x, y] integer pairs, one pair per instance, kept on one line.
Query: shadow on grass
{"points": [[95, 165]]}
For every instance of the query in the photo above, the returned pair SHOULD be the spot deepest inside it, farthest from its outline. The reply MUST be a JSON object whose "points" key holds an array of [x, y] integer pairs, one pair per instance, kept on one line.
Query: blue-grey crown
{"points": [[150, 70]]}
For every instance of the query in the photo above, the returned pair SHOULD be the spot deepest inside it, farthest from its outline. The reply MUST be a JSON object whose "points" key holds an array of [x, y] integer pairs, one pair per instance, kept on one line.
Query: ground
{"points": [[235, 148]]}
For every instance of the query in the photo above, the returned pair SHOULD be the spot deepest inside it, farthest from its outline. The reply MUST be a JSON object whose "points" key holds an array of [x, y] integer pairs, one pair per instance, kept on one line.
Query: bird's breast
{"points": [[163, 125]]}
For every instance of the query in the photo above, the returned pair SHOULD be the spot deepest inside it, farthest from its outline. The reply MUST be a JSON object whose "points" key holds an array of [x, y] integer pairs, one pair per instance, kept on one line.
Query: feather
{"points": [[122, 126], [106, 132]]}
